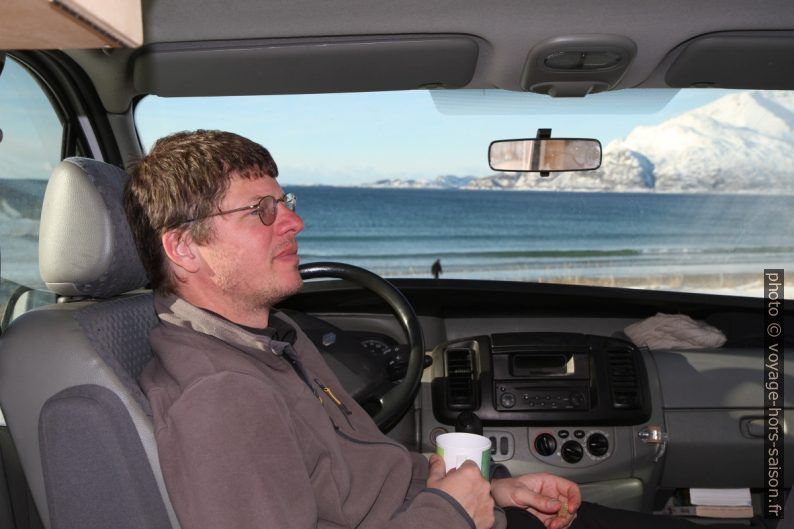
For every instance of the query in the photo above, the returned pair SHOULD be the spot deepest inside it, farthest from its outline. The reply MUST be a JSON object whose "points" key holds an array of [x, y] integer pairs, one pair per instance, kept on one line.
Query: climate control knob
{"points": [[572, 452], [598, 444], [545, 444]]}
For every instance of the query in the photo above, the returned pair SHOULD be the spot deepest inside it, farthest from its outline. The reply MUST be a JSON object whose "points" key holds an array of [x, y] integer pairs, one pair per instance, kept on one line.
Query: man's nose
{"points": [[288, 220]]}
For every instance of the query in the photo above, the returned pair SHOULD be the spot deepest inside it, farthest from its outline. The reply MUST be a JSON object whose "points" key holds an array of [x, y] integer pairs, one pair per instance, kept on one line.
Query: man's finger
{"points": [[570, 491], [574, 496], [468, 464], [558, 523], [437, 468], [539, 502]]}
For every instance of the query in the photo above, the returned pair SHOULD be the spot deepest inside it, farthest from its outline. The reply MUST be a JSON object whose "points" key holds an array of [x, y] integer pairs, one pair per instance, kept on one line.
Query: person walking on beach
{"points": [[436, 269]]}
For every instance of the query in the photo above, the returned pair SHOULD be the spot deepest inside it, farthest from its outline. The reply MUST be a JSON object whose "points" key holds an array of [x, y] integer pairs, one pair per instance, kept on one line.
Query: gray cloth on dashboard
{"points": [[674, 331]]}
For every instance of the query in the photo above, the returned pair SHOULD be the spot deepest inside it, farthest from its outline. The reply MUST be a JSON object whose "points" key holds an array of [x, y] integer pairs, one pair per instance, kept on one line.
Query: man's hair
{"points": [[185, 176]]}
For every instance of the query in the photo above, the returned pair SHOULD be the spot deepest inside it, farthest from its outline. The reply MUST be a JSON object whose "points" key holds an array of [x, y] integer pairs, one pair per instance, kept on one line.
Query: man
{"points": [[436, 268], [253, 429]]}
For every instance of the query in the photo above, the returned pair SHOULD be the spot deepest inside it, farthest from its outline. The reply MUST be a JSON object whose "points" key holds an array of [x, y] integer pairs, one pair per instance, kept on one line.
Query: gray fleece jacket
{"points": [[244, 442]]}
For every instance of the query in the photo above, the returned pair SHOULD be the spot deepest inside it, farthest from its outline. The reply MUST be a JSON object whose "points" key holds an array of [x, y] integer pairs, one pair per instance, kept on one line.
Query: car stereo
{"points": [[539, 376], [545, 378]]}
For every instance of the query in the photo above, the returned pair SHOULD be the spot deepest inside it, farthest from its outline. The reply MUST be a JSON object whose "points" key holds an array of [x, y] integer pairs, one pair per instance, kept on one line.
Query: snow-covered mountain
{"points": [[742, 142], [439, 182]]}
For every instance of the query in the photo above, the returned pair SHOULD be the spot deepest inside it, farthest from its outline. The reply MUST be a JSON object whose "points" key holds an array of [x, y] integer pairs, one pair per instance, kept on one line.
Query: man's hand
{"points": [[552, 499], [467, 486]]}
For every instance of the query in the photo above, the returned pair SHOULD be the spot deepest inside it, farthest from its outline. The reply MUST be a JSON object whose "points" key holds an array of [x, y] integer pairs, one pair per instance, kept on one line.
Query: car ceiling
{"points": [[505, 32]]}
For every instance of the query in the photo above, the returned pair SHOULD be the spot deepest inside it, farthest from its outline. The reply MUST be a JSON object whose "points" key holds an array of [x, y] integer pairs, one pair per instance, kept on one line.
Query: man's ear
{"points": [[179, 248]]}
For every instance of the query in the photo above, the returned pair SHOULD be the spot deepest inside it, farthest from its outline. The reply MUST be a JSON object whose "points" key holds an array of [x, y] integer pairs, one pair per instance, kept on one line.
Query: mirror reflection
{"points": [[545, 154]]}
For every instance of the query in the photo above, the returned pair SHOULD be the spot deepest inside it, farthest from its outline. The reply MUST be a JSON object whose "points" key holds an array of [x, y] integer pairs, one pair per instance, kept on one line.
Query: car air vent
{"points": [[623, 379], [460, 378]]}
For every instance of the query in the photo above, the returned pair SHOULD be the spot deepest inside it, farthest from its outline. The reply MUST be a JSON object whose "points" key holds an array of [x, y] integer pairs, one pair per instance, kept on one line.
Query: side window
{"points": [[30, 147]]}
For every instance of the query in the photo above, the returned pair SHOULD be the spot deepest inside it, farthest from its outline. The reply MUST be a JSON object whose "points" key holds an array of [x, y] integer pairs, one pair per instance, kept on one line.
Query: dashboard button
{"points": [[579, 434], [577, 399], [563, 434], [508, 400]]}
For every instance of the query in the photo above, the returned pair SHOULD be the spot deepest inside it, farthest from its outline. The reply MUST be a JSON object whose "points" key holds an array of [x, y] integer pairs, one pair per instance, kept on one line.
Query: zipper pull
{"points": [[330, 393]]}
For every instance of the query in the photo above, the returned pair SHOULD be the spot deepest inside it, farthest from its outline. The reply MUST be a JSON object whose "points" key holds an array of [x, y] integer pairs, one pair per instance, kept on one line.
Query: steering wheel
{"points": [[356, 368]]}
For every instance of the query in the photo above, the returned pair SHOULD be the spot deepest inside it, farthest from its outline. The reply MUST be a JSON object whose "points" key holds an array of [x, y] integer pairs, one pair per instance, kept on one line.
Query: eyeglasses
{"points": [[266, 208]]}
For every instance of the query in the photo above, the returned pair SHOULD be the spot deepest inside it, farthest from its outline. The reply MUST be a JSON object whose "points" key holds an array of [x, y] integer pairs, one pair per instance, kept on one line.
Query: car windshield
{"points": [[694, 192]]}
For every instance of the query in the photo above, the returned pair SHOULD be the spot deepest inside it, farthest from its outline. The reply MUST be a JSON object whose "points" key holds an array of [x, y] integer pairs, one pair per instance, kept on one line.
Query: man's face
{"points": [[253, 265]]}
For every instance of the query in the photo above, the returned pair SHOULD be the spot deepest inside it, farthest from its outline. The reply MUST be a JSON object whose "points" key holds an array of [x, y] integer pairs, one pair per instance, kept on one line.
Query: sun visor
{"points": [[289, 66], [740, 59]]}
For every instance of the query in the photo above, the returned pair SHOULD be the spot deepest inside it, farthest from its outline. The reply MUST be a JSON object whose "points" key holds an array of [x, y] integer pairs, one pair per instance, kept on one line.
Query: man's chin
{"points": [[288, 289], [296, 285]]}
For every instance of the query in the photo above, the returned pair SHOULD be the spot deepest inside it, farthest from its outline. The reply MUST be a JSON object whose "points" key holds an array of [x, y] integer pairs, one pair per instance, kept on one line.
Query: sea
{"points": [[694, 242]]}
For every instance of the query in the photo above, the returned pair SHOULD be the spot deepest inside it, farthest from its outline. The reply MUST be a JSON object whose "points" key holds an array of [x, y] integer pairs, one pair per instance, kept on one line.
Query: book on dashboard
{"points": [[712, 503], [713, 511], [700, 496]]}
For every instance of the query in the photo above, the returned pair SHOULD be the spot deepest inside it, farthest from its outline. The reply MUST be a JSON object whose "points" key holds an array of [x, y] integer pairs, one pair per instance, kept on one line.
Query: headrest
{"points": [[85, 244]]}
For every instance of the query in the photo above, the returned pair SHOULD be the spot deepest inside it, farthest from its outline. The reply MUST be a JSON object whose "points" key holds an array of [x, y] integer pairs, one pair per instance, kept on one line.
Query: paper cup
{"points": [[455, 448]]}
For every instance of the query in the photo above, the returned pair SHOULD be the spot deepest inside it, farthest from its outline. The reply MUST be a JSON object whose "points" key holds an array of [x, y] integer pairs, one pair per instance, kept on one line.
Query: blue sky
{"points": [[31, 139], [340, 139]]}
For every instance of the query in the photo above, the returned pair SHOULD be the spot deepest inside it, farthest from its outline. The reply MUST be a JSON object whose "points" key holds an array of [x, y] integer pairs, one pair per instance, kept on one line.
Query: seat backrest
{"points": [[68, 371]]}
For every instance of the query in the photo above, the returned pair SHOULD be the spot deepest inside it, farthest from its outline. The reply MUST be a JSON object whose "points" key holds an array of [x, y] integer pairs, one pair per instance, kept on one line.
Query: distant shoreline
{"points": [[753, 192], [743, 284]]}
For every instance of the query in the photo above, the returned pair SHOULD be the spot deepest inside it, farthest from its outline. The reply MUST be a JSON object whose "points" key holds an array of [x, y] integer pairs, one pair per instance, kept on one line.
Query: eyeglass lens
{"points": [[268, 207]]}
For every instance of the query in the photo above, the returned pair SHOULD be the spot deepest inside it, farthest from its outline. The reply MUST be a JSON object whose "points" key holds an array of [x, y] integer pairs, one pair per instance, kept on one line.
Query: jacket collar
{"points": [[176, 311]]}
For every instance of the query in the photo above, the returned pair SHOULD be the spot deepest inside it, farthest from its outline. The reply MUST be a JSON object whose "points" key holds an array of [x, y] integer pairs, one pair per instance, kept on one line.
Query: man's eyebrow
{"points": [[253, 199], [274, 195]]}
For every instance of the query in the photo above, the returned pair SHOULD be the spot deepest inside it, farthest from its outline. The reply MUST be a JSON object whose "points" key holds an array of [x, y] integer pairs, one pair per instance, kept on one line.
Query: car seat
{"points": [[68, 371]]}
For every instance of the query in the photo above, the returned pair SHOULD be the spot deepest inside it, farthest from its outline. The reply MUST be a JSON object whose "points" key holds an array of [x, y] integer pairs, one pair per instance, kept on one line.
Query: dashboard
{"points": [[558, 388]]}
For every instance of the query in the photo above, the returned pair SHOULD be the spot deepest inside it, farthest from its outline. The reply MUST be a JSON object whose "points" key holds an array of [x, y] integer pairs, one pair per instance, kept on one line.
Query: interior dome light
{"points": [[582, 60]]}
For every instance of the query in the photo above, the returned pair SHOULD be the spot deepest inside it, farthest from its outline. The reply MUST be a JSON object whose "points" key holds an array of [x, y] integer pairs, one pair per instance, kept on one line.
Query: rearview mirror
{"points": [[545, 155]]}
